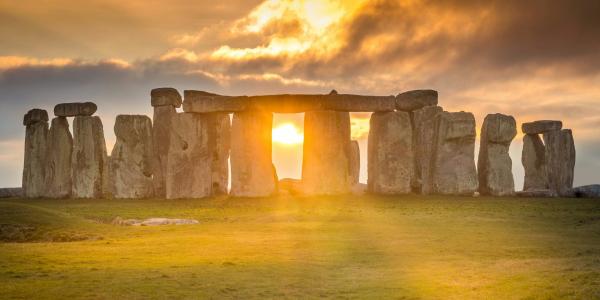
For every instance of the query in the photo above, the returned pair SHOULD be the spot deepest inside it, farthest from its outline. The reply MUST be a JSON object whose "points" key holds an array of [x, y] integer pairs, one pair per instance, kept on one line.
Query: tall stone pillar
{"points": [[494, 165], [131, 160], [391, 157], [533, 159], [252, 173], [423, 121], [560, 160], [326, 161], [164, 101], [354, 162], [34, 167], [453, 165], [198, 152], [89, 160], [58, 168]]}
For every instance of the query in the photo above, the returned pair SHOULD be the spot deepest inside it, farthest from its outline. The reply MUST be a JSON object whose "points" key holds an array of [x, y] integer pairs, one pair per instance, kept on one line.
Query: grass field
{"points": [[328, 247]]}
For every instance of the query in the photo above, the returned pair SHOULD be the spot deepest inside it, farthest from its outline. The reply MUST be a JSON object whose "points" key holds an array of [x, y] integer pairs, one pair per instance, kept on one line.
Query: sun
{"points": [[287, 134]]}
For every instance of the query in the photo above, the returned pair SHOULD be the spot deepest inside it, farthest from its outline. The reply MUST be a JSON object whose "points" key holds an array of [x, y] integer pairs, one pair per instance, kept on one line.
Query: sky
{"points": [[530, 59]]}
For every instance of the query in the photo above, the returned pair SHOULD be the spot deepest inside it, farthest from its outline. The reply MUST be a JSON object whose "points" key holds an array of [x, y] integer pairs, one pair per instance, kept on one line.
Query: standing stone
{"points": [[423, 144], [132, 157], [391, 157], [164, 101], [58, 168], [89, 159], [560, 160], [251, 163], [197, 155], [494, 165], [326, 160], [533, 159], [354, 162], [34, 167], [453, 165]]}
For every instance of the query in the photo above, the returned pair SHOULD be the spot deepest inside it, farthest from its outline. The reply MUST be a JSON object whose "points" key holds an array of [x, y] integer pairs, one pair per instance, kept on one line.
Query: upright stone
{"points": [[560, 160], [391, 157], [533, 159], [58, 168], [354, 162], [132, 157], [251, 164], [197, 155], [326, 160], [494, 165], [423, 144], [34, 167], [164, 101], [453, 165], [89, 158]]}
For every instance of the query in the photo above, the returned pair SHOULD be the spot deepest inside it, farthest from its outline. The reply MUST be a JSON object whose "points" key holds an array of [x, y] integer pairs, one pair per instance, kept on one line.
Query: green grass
{"points": [[328, 247]]}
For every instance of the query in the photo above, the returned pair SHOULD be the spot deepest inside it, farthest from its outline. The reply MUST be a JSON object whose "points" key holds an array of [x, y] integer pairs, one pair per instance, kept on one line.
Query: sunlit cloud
{"points": [[287, 134]]}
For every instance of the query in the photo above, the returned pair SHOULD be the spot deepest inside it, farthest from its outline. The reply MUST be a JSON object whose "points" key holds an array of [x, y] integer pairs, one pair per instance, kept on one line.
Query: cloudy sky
{"points": [[531, 59]]}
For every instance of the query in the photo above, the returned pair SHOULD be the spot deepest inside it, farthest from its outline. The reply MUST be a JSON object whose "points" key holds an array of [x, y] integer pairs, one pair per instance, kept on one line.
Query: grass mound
{"points": [[23, 223]]}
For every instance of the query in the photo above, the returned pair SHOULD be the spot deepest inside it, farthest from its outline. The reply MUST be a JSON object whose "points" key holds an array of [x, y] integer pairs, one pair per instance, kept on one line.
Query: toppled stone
{"points": [[354, 162], [35, 115], [198, 152], [132, 157], [587, 191], [251, 167], [423, 121], [165, 96], [391, 157], [58, 168], [204, 102], [89, 161], [537, 193], [533, 159], [11, 192], [542, 126], [494, 165], [454, 171], [36, 153], [417, 99], [560, 160], [359, 189], [153, 222], [75, 109], [161, 132], [326, 153]]}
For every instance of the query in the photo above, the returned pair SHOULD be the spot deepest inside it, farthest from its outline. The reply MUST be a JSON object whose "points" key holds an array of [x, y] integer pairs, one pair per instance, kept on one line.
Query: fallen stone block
{"points": [[587, 191], [11, 192], [537, 193]]}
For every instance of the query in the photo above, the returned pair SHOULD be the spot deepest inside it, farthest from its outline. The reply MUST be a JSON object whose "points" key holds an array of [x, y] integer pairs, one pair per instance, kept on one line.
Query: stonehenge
{"points": [[132, 158], [221, 145], [494, 165], [326, 169]]}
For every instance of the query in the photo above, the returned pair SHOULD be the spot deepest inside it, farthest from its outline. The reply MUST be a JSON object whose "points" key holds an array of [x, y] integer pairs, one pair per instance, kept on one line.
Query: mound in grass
{"points": [[22, 223]]}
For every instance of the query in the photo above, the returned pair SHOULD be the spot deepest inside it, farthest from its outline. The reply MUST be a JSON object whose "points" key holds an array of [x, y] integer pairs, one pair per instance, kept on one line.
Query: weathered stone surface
{"points": [[58, 168], [75, 109], [358, 103], [326, 153], [391, 157], [161, 132], [542, 126], [36, 153], [587, 191], [289, 186], [560, 160], [423, 121], [89, 160], [35, 115], [11, 192], [204, 102], [453, 163], [131, 159], [197, 155], [164, 97], [533, 159], [417, 99], [354, 162], [251, 167], [537, 193], [494, 165]]}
